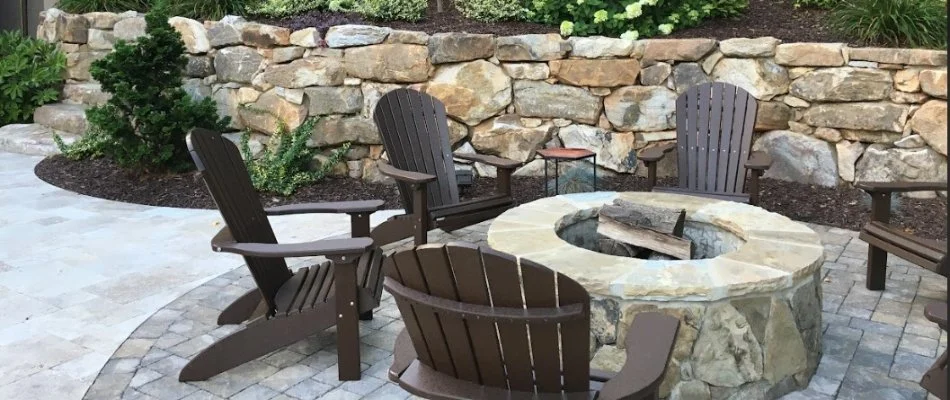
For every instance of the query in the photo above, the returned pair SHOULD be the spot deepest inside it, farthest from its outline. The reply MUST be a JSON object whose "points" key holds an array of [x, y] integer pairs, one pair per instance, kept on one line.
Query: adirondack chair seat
{"points": [[714, 126], [467, 331]]}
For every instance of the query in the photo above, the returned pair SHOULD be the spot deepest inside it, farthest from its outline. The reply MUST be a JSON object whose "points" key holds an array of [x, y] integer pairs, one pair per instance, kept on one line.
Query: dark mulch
{"points": [[776, 18], [843, 207]]}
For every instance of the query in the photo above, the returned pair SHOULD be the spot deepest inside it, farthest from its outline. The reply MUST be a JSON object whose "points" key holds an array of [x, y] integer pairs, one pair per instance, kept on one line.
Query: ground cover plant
{"points": [[31, 74], [913, 23], [197, 9], [144, 124]]}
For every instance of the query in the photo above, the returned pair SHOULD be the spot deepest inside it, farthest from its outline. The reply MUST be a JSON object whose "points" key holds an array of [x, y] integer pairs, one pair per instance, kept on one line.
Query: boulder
{"points": [[270, 109], [77, 64], [539, 99], [934, 82], [280, 55], [334, 100], [673, 49], [877, 116], [223, 34], [772, 116], [237, 64], [85, 93], [101, 39], [655, 74], [910, 142], [471, 91], [264, 36], [62, 117], [795, 102], [930, 122], [407, 37], [355, 35], [690, 390], [457, 132], [907, 80], [388, 63], [828, 134], [535, 47], [199, 66], [102, 20], [726, 352], [335, 130], [192, 33], [316, 71], [599, 47], [848, 155], [641, 108], [598, 73], [687, 75], [129, 28], [810, 54], [58, 26], [307, 37], [869, 136], [529, 71], [881, 163], [372, 92], [609, 358], [744, 47], [843, 84], [615, 151], [371, 173], [762, 78], [507, 137], [936, 58], [709, 63], [908, 98], [228, 105], [458, 47], [196, 88], [799, 158]]}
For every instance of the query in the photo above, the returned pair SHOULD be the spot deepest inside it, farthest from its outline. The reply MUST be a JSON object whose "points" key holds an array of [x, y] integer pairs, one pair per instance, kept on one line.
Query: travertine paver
{"points": [[862, 358], [79, 274]]}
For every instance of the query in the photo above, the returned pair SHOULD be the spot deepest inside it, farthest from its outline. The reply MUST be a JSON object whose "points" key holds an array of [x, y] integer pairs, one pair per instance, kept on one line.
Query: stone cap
{"points": [[777, 252]]}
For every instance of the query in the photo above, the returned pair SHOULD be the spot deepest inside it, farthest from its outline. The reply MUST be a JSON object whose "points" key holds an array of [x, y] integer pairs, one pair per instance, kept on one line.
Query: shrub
{"points": [[629, 19], [914, 23], [145, 122], [30, 75], [284, 164], [394, 10], [85, 6], [825, 4], [197, 9], [283, 8], [491, 10]]}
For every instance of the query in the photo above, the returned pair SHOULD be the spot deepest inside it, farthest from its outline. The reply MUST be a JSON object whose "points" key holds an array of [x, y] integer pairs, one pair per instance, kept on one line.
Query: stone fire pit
{"points": [[749, 302]]}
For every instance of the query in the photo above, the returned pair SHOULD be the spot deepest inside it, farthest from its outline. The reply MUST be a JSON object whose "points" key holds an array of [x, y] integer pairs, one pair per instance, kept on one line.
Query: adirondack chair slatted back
{"points": [[415, 133], [547, 353], [225, 174], [714, 124]]}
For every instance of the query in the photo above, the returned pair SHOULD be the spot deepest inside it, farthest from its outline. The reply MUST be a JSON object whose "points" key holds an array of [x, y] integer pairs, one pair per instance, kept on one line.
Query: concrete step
{"points": [[32, 139], [90, 94], [62, 117]]}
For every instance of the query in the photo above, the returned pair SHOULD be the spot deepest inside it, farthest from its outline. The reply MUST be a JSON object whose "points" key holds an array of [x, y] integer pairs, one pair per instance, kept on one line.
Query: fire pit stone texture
{"points": [[750, 307]]}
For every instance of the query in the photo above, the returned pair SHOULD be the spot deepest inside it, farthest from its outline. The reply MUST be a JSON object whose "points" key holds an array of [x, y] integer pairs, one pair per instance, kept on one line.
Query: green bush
{"points": [[491, 10], [145, 122], [284, 164], [197, 9], [913, 23], [85, 6], [825, 4], [394, 10], [283, 8], [31, 74], [630, 19]]}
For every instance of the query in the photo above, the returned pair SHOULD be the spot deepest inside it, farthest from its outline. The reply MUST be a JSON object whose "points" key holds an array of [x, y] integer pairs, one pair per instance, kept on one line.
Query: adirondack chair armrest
{"points": [[657, 153], [758, 161], [936, 312], [224, 242], [649, 346], [403, 175], [891, 187], [339, 207], [497, 162]]}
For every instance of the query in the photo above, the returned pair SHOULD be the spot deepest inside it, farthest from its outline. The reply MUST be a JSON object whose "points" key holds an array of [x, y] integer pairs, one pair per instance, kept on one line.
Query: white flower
{"points": [[666, 29], [567, 28], [630, 35], [634, 10]]}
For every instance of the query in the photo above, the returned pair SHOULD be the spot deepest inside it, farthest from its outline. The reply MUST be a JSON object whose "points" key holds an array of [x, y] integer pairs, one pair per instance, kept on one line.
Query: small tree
{"points": [[145, 122]]}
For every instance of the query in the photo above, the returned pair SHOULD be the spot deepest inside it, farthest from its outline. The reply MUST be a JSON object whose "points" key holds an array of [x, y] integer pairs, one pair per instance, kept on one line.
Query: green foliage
{"points": [[630, 19], [283, 8], [283, 165], [491, 10], [197, 9], [394, 10], [30, 75], [145, 122], [913, 23], [825, 4]]}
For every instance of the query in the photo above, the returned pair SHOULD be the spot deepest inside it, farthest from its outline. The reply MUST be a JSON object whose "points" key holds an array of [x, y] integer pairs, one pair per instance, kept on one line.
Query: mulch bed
{"points": [[776, 18], [842, 207]]}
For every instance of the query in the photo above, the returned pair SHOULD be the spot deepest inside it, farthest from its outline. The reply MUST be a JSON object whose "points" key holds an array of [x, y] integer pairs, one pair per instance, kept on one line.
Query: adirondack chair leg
{"points": [[250, 304], [347, 318], [754, 187], [420, 214], [503, 181], [877, 268], [366, 316], [651, 175], [359, 225]]}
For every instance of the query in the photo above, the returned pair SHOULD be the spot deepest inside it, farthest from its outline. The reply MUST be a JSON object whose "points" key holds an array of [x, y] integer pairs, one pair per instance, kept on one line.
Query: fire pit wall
{"points": [[750, 310], [832, 113]]}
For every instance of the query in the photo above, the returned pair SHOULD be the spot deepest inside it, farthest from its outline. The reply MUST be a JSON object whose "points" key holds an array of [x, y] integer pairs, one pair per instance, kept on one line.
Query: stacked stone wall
{"points": [[828, 113]]}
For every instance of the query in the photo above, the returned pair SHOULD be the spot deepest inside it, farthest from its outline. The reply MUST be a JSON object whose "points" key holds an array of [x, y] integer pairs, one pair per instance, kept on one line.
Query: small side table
{"points": [[564, 154]]}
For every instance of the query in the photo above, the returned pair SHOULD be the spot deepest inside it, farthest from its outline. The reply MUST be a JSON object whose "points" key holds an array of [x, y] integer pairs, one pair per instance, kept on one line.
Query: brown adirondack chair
{"points": [[935, 379], [415, 134], [453, 297], [883, 238], [286, 306], [714, 123]]}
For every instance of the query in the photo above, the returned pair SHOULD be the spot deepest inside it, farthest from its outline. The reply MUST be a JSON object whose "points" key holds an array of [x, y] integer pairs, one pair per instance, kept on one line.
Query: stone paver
{"points": [[863, 358], [79, 274]]}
